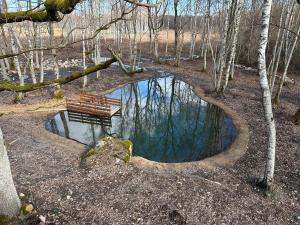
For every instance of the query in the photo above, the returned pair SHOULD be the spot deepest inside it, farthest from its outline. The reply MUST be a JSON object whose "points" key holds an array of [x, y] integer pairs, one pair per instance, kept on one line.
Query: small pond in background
{"points": [[163, 117]]}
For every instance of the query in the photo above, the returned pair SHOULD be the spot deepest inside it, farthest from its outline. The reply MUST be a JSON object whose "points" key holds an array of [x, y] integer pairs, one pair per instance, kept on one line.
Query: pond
{"points": [[163, 117]]}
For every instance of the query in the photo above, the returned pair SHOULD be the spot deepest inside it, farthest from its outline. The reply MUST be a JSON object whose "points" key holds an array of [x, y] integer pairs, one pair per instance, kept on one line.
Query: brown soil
{"points": [[47, 168]]}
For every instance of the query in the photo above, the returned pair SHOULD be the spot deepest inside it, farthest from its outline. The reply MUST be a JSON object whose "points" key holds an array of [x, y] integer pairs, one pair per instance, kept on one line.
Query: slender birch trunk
{"points": [[194, 32], [16, 62], [266, 94], [98, 55], [84, 59], [3, 67], [277, 54], [167, 38], [31, 64], [53, 51], [236, 24], [222, 55], [42, 61], [283, 77]]}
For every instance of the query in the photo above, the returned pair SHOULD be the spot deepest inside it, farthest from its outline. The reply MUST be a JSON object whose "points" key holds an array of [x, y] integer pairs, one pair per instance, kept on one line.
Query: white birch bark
{"points": [[10, 203], [31, 63], [3, 67], [84, 59], [266, 94], [194, 31], [236, 24], [16, 62], [53, 51], [42, 60], [277, 54], [167, 38], [222, 55], [98, 55], [283, 77]]}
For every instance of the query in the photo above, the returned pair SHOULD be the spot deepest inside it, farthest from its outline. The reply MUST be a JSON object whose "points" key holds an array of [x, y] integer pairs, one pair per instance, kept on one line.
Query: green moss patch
{"points": [[58, 94], [5, 219], [91, 152], [128, 145], [105, 139]]}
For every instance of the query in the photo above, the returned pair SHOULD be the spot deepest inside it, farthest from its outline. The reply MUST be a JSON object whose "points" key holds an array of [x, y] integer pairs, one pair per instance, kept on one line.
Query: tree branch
{"points": [[9, 86], [63, 45], [123, 67], [53, 11], [137, 3]]}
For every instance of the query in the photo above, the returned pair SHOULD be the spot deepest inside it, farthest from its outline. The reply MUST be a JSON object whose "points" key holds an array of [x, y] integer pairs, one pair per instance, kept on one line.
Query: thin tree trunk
{"points": [[167, 38], [54, 53], [287, 66], [31, 64], [266, 94], [236, 24], [222, 55], [84, 59]]}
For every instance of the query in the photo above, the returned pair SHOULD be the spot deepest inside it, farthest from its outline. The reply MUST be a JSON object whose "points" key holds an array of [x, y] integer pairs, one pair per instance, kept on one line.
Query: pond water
{"points": [[163, 117]]}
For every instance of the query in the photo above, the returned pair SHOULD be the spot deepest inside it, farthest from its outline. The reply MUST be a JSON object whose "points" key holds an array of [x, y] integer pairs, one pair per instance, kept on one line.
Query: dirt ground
{"points": [[47, 168]]}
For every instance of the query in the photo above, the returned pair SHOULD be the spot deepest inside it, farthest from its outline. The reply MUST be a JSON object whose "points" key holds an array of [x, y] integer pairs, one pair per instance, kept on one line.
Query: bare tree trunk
{"points": [[10, 203], [31, 64], [266, 94], [176, 28], [236, 25], [222, 55], [42, 61], [167, 38], [287, 66], [194, 31], [3, 67], [84, 59], [54, 53], [16, 62], [98, 54], [277, 52]]}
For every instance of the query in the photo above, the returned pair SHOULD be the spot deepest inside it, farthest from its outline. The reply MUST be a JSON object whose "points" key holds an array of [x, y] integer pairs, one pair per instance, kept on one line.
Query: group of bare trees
{"points": [[224, 31]]}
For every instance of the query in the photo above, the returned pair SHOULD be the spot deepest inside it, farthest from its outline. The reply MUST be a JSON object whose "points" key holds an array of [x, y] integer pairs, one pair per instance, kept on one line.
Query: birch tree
{"points": [[266, 94]]}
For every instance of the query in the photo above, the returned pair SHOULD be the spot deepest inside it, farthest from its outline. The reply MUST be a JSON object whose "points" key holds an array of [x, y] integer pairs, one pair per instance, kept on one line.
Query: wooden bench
{"points": [[94, 105]]}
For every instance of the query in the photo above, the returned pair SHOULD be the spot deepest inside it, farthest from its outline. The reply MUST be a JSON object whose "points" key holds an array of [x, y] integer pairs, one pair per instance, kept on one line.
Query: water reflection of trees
{"points": [[170, 123]]}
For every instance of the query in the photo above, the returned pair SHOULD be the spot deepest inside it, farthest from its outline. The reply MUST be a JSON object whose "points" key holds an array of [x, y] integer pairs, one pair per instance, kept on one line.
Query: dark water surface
{"points": [[163, 118]]}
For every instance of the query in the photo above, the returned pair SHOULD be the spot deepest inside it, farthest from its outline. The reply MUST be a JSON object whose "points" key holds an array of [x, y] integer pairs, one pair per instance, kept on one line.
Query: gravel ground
{"points": [[48, 169]]}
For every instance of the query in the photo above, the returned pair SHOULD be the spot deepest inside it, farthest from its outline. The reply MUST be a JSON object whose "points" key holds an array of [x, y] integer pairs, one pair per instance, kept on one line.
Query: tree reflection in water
{"points": [[163, 117]]}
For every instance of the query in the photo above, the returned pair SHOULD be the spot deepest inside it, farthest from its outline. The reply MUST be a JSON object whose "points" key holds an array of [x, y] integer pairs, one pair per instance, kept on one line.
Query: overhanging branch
{"points": [[9, 86]]}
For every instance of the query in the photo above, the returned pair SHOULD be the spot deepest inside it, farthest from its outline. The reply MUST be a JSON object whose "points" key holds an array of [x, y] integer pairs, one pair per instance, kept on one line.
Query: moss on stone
{"points": [[128, 146], [105, 139], [5, 219], [26, 209], [91, 152], [18, 98], [126, 158], [58, 94]]}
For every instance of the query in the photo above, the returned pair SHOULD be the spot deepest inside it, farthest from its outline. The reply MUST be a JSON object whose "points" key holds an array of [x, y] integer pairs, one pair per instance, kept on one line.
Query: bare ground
{"points": [[47, 168]]}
